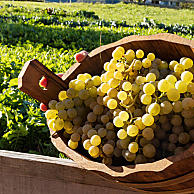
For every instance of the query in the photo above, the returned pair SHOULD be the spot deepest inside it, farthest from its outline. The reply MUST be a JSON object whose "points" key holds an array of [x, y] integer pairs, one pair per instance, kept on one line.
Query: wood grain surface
{"points": [[22, 173]]}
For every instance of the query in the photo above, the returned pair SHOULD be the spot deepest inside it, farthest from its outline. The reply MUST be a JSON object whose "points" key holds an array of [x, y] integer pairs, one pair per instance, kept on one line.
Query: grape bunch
{"points": [[140, 109]]}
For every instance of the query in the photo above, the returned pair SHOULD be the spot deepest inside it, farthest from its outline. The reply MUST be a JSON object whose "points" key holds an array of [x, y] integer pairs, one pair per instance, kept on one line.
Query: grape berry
{"points": [[140, 108]]}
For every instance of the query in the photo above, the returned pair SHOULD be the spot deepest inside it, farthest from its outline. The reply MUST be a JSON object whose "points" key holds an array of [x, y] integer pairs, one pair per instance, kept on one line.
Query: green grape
{"points": [[140, 80], [60, 106], [148, 133], [172, 64], [112, 104], [62, 114], [51, 114], [99, 92], [88, 101], [87, 76], [149, 88], [156, 72], [149, 151], [103, 78], [112, 92], [100, 100], [87, 144], [104, 87], [98, 109], [190, 88], [91, 117], [72, 83], [137, 64], [117, 152], [127, 101], [77, 101], [177, 106], [89, 83], [129, 156], [179, 68], [106, 66], [133, 147], [163, 65], [118, 122], [176, 120], [86, 128], [50, 124], [102, 132], [146, 99], [81, 77], [187, 63], [122, 95], [117, 53], [130, 55], [147, 119], [151, 56], [77, 121], [107, 149], [163, 85], [138, 122], [68, 103], [109, 126], [52, 104], [171, 79], [71, 93], [123, 115], [72, 113], [79, 85], [140, 159], [165, 107], [75, 137], [181, 86], [121, 134], [120, 67], [113, 83], [58, 124], [154, 109], [186, 76], [109, 75], [62, 95], [83, 94], [135, 88], [139, 53], [150, 77], [126, 86], [104, 119], [72, 145], [146, 63], [93, 151], [91, 132], [184, 138], [132, 130], [173, 94], [68, 125], [188, 103], [110, 135], [111, 67], [96, 80], [95, 140], [118, 75], [105, 100]]}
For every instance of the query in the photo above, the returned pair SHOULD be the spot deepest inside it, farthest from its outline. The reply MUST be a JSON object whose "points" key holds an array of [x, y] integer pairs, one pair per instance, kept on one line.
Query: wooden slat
{"points": [[22, 173]]}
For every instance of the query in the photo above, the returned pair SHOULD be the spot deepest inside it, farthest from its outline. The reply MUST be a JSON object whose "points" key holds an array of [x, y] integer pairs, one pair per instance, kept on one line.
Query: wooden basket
{"points": [[174, 174]]}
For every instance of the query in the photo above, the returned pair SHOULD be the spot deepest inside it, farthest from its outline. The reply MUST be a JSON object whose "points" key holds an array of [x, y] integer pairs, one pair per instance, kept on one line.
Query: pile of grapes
{"points": [[139, 110]]}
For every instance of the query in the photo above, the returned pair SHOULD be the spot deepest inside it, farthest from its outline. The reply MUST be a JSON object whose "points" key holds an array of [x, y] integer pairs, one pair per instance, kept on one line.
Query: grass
{"points": [[131, 13]]}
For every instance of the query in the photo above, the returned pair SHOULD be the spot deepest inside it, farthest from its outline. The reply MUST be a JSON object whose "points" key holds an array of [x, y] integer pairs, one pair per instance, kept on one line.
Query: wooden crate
{"points": [[22, 173]]}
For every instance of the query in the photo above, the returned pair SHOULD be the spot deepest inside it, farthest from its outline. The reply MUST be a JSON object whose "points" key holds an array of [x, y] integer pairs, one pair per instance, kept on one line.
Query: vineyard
{"points": [[53, 36]]}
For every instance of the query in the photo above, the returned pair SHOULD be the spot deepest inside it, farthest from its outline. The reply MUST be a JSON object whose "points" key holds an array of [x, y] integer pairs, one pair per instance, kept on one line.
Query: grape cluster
{"points": [[140, 108]]}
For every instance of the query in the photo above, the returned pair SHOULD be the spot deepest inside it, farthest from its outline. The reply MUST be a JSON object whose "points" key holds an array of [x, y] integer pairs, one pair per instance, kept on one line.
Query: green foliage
{"points": [[53, 36]]}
